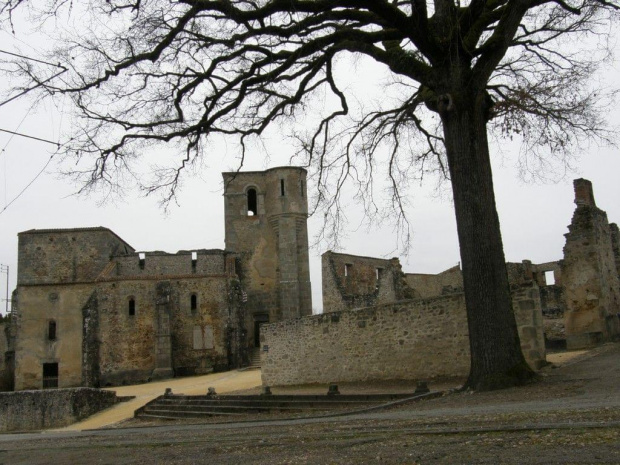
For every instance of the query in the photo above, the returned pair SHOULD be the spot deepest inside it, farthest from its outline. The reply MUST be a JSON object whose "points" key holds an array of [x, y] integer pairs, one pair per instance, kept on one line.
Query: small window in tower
{"points": [[194, 260], [252, 203], [142, 260], [379, 272], [282, 187], [347, 270], [193, 303], [132, 306], [550, 278], [51, 330], [303, 188]]}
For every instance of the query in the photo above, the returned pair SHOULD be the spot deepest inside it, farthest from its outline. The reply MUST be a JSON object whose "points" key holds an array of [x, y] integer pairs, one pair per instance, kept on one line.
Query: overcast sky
{"points": [[534, 217]]}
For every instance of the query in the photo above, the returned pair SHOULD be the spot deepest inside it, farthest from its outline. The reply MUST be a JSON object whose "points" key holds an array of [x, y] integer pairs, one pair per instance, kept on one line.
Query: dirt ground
{"points": [[572, 416]]}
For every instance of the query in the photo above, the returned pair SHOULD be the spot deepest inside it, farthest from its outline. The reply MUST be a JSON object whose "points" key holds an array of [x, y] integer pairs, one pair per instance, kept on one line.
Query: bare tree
{"points": [[158, 71]]}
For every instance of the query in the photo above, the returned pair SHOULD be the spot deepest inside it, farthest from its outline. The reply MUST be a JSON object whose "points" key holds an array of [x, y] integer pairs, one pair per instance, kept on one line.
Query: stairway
{"points": [[254, 358], [180, 406]]}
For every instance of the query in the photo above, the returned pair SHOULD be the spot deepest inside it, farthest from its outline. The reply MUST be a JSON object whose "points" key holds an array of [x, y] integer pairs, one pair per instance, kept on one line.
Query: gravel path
{"points": [[572, 416]]}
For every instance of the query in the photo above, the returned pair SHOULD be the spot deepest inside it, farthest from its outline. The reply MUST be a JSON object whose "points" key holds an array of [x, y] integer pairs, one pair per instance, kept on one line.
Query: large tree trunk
{"points": [[496, 357]]}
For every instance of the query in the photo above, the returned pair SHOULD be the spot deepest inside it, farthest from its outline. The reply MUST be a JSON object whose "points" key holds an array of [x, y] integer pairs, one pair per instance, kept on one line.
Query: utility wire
{"points": [[30, 137], [29, 184], [33, 59]]}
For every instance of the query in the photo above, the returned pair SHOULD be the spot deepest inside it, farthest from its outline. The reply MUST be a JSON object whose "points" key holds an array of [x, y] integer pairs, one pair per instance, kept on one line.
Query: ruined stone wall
{"points": [[589, 274], [49, 256], [208, 262], [431, 285], [414, 339], [38, 306], [36, 410], [271, 240], [352, 281], [6, 374]]}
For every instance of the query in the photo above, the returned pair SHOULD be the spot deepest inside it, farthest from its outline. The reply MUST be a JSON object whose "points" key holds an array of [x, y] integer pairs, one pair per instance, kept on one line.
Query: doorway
{"points": [[259, 319]]}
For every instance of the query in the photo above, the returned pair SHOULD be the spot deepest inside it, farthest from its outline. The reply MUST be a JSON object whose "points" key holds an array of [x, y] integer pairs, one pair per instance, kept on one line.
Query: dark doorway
{"points": [[50, 375], [259, 320]]}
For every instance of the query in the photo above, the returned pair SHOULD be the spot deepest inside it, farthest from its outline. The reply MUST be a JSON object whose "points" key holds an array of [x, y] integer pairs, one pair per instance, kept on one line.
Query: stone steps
{"points": [[181, 406]]}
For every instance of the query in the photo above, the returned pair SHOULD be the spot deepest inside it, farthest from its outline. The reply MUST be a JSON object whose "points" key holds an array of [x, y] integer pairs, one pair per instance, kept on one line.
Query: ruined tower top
{"points": [[584, 196]]}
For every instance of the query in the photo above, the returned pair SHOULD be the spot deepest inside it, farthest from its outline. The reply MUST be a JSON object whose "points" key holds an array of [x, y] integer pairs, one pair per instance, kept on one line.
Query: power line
{"points": [[30, 137], [32, 59], [28, 185]]}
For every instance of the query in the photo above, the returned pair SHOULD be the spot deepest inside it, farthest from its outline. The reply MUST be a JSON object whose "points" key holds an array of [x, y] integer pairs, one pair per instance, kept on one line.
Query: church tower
{"points": [[266, 216]]}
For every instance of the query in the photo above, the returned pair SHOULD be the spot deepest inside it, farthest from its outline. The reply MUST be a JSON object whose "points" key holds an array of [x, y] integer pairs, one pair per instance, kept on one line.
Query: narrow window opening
{"points": [[132, 307], [379, 272], [347, 270], [194, 260], [50, 375], [282, 187], [302, 188], [549, 278], [252, 202], [51, 330], [193, 303], [142, 259]]}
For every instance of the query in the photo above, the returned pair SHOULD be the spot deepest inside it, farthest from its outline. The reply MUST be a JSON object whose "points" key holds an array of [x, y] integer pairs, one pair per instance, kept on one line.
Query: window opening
{"points": [[132, 307], [193, 303], [252, 202], [282, 187], [194, 260], [379, 272], [549, 278], [302, 188], [51, 330], [50, 375], [142, 258], [347, 269]]}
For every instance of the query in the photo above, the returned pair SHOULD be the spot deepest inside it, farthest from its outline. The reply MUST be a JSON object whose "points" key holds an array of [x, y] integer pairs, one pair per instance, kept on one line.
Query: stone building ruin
{"points": [[90, 310], [381, 323]]}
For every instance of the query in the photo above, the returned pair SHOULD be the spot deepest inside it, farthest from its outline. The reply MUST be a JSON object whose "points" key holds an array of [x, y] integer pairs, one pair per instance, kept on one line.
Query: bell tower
{"points": [[266, 225]]}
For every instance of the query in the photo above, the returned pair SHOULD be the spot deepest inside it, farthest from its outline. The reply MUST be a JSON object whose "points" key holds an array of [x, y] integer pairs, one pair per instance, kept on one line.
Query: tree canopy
{"points": [[143, 72]]}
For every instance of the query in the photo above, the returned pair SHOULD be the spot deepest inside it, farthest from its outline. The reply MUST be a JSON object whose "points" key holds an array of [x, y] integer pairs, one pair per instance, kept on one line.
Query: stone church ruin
{"points": [[91, 310]]}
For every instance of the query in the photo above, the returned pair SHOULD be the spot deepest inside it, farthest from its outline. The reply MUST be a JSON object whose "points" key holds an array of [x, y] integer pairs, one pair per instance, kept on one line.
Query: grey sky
{"points": [[533, 216]]}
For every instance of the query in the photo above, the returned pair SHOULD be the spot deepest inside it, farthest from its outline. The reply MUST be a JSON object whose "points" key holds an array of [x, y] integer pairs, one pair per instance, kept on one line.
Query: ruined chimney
{"points": [[583, 193]]}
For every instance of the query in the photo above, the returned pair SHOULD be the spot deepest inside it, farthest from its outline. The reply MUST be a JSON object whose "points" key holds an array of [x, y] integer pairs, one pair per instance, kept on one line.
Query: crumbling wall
{"points": [[207, 262], [53, 256], [589, 274], [38, 307], [36, 410], [352, 281], [431, 285], [413, 339]]}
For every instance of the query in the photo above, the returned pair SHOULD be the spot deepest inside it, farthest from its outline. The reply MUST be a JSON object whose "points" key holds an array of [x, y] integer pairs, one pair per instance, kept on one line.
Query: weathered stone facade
{"points": [[590, 274], [91, 311], [36, 410], [412, 339], [266, 225]]}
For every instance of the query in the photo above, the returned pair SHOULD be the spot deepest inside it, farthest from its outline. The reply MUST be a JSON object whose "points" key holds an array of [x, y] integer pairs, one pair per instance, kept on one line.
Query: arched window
{"points": [[252, 202], [132, 306], [51, 330], [193, 305]]}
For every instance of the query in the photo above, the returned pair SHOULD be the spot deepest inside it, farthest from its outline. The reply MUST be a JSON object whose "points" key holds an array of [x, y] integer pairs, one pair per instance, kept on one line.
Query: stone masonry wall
{"points": [[36, 410], [49, 256], [353, 281], [589, 274], [208, 262], [414, 339], [431, 285]]}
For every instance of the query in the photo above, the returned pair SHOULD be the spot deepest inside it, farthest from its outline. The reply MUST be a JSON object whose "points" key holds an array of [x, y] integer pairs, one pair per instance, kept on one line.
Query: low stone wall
{"points": [[54, 408], [414, 339]]}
